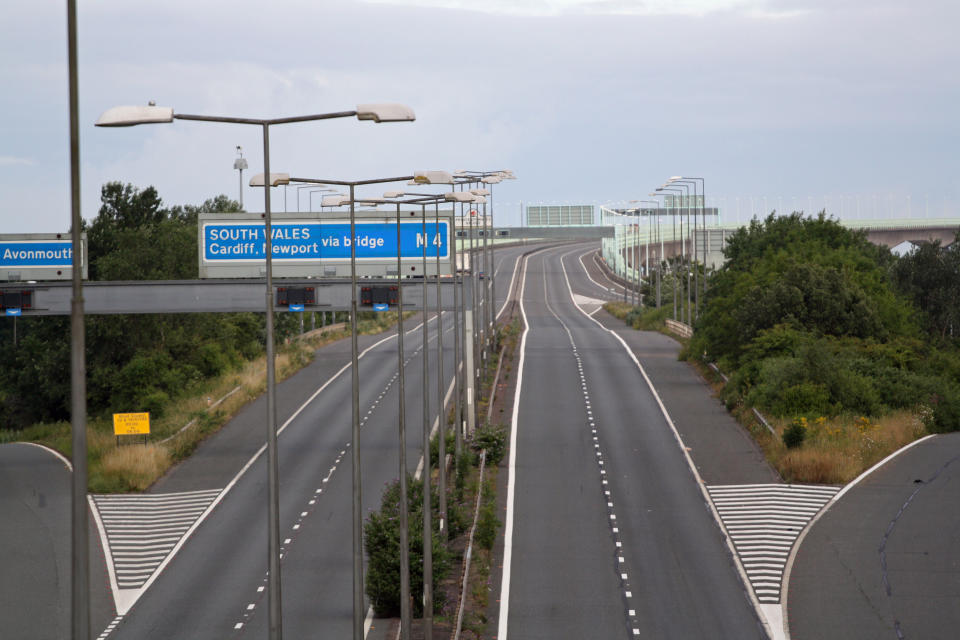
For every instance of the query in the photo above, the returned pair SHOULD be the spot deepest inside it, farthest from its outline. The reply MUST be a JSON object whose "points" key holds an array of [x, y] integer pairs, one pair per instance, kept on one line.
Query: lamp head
{"points": [[385, 112], [459, 196], [128, 116], [432, 177], [334, 201], [276, 179]]}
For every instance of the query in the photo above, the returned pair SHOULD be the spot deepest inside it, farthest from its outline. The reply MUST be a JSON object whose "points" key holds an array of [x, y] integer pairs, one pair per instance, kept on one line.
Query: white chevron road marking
{"points": [[763, 521]]}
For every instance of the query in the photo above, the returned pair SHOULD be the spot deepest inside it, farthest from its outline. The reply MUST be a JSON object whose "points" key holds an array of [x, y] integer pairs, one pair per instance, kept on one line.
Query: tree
{"points": [[808, 273], [134, 362], [930, 276]]}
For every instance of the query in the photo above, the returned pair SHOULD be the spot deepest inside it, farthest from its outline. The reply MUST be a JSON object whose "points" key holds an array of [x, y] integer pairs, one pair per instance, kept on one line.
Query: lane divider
{"points": [[125, 601], [625, 585], [761, 613]]}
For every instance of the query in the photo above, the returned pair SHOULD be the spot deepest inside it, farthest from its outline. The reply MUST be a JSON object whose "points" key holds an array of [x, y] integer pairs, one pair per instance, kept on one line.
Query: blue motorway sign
{"points": [[381, 306], [26, 253], [38, 256], [317, 245], [316, 241]]}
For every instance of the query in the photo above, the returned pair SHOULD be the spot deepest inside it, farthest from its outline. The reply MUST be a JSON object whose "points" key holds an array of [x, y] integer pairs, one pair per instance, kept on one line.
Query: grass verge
{"points": [[187, 420]]}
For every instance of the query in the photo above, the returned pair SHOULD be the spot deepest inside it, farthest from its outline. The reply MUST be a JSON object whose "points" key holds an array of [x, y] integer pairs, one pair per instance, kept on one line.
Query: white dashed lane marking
{"points": [[763, 521], [612, 516], [248, 612]]}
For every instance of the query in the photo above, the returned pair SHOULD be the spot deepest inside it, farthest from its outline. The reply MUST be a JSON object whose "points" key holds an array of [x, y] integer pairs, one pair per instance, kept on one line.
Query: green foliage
{"points": [[449, 447], [487, 522], [930, 276], [808, 273], [795, 434], [492, 439], [464, 461], [945, 412], [806, 318], [133, 361], [647, 319], [382, 543]]}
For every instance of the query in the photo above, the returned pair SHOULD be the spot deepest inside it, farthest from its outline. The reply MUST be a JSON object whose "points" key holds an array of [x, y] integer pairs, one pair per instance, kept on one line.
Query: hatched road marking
{"points": [[763, 521], [142, 530]]}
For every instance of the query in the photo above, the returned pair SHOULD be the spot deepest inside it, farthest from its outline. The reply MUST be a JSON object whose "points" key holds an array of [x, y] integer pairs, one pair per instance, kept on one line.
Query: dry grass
{"points": [[836, 451], [137, 465], [134, 467]]}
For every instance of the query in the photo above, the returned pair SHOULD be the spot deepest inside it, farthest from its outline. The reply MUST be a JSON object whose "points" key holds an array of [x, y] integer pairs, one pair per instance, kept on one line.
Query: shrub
{"points": [[794, 435], [487, 522], [211, 359], [154, 403], [945, 412], [450, 445], [382, 543], [493, 440], [464, 460]]}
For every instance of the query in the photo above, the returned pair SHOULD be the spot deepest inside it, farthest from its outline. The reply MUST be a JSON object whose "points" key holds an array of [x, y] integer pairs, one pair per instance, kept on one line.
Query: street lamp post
{"points": [[649, 234], [674, 239], [358, 616], [151, 114], [681, 181], [703, 212], [404, 540], [79, 550], [686, 205]]}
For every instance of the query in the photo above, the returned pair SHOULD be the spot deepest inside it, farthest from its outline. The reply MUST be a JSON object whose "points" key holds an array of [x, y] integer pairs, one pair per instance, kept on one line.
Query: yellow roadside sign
{"points": [[128, 424]]}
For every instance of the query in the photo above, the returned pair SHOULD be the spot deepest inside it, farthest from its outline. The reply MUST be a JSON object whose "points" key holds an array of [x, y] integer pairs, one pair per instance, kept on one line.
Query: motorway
{"points": [[214, 586], [611, 529], [608, 533]]}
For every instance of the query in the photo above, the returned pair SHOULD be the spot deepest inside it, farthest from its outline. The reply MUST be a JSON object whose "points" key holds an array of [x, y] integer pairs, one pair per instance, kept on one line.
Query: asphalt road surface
{"points": [[214, 585], [35, 578], [611, 535], [884, 560]]}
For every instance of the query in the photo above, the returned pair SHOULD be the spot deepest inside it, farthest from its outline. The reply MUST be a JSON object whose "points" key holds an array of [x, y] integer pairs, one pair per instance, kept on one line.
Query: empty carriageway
{"points": [[608, 531]]}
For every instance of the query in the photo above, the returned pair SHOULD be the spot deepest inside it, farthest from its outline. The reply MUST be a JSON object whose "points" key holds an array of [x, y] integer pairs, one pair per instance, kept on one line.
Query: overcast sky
{"points": [[777, 104]]}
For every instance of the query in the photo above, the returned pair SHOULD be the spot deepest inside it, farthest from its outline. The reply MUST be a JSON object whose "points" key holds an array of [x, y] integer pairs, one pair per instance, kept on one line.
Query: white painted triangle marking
{"points": [[139, 535]]}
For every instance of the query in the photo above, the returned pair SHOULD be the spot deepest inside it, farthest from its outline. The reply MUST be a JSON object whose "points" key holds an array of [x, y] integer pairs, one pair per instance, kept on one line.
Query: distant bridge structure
{"points": [[633, 244]]}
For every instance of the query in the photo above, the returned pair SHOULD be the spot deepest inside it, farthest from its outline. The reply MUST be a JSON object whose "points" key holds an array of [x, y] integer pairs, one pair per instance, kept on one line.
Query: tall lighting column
{"points": [[703, 212], [132, 115], [79, 550], [674, 214], [684, 182], [685, 203]]}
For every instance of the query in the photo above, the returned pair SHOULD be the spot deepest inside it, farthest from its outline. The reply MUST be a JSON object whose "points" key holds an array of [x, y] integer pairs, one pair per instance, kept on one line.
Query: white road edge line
{"points": [[606, 290], [775, 616], [762, 613], [62, 457], [123, 607], [504, 612], [785, 582]]}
